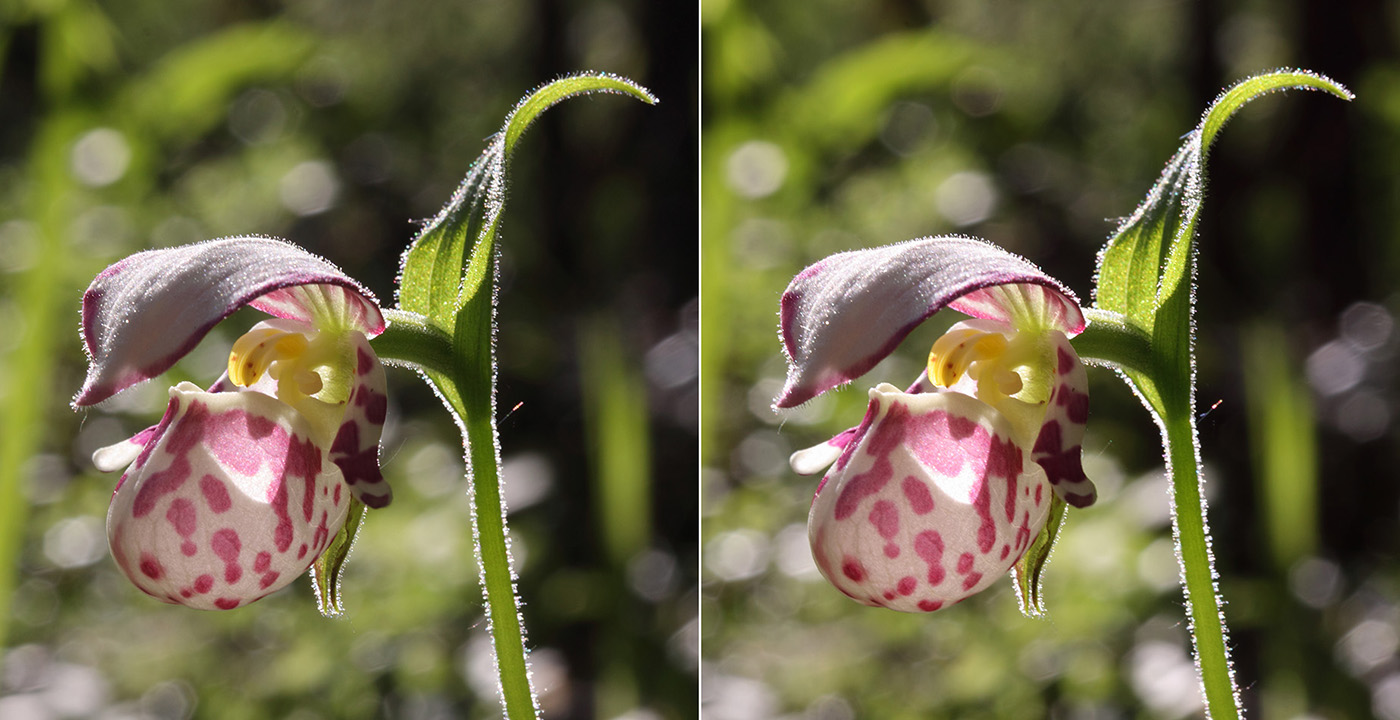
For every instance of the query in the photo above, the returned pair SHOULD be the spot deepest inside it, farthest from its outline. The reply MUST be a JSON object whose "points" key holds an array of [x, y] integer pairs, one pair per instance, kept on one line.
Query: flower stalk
{"points": [[1146, 370], [447, 314]]}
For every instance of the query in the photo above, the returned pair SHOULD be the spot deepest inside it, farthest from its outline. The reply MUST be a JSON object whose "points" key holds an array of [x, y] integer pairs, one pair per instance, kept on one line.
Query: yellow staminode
{"points": [[954, 353], [255, 352]]}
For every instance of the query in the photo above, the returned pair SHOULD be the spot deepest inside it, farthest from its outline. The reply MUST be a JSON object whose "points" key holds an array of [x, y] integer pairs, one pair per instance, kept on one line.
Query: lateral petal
{"points": [[356, 447], [1059, 446]]}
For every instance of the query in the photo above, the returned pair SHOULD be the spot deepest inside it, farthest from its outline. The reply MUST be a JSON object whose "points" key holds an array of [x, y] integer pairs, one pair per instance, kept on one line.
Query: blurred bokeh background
{"points": [[829, 125], [338, 125]]}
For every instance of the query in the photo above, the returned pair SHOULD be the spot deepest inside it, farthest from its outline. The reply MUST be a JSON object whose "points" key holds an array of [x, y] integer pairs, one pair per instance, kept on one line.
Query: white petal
{"points": [[117, 456]]}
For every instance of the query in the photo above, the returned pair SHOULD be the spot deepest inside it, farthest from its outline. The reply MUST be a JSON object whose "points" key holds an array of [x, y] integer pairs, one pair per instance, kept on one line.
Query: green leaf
{"points": [[1145, 271], [1147, 262], [433, 281], [1030, 568], [1146, 266], [325, 573]]}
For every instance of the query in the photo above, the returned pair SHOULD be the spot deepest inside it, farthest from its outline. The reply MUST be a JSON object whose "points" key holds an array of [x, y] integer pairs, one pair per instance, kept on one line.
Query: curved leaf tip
{"points": [[1228, 102], [550, 94]]}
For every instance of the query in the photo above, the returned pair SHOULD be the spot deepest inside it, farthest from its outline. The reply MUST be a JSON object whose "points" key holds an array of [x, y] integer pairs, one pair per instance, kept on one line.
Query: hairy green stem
{"points": [[475, 381], [1197, 564], [507, 629], [463, 372], [476, 422], [1163, 382]]}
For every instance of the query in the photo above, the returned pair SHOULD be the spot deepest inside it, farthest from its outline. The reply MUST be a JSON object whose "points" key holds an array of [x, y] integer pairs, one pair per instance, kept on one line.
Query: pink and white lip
{"points": [[229, 501]]}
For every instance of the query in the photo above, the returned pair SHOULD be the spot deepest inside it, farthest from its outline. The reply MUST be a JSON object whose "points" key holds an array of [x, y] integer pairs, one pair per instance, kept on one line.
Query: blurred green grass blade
{"points": [[29, 397], [1282, 445], [848, 98], [186, 96], [41, 293], [615, 402], [618, 438], [78, 39], [188, 91], [716, 289]]}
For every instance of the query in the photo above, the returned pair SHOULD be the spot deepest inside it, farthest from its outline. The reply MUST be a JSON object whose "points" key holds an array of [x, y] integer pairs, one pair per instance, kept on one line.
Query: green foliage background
{"points": [[336, 124], [828, 126]]}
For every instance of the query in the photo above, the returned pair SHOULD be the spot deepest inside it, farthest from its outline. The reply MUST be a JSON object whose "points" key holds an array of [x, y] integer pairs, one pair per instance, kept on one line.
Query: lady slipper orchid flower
{"points": [[941, 488], [240, 488]]}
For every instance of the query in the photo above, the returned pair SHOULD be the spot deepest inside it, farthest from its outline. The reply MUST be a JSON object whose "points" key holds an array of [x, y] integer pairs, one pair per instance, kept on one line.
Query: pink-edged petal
{"points": [[932, 503], [351, 307], [356, 446], [842, 315], [148, 310], [229, 501], [1059, 446]]}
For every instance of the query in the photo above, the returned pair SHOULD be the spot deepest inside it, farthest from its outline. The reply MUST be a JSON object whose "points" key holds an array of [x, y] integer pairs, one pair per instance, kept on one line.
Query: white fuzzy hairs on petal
{"points": [[146, 311]]}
